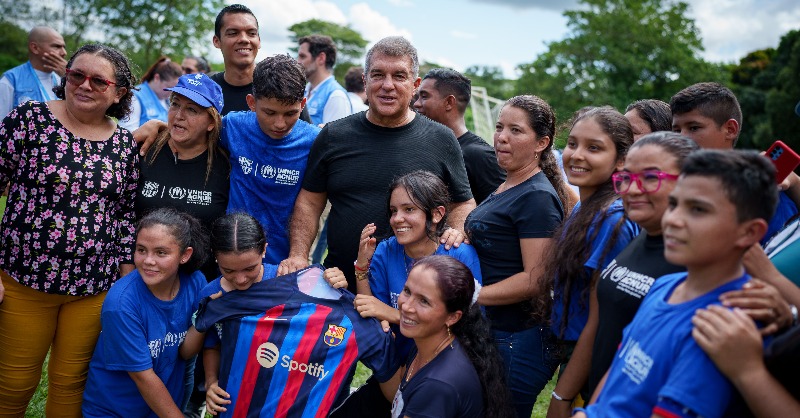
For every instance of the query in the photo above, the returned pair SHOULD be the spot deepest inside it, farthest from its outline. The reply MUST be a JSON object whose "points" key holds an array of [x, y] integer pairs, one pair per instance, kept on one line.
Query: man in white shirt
{"points": [[326, 99], [35, 79]]}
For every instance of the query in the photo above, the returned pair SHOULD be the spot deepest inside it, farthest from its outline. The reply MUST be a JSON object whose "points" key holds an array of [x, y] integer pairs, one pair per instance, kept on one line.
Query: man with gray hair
{"points": [[35, 79], [354, 160]]}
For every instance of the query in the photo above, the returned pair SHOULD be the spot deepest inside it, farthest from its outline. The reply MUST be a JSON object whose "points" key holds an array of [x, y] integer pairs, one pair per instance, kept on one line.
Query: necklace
{"points": [[438, 349]]}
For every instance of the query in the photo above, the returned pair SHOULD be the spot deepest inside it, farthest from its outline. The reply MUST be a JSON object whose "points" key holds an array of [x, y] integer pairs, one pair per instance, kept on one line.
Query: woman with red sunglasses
{"points": [[67, 231]]}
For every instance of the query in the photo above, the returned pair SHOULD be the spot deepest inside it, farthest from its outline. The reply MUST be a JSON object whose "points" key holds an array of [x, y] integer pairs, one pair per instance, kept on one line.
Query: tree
{"points": [[492, 78], [350, 45], [619, 51], [15, 42], [751, 91]]}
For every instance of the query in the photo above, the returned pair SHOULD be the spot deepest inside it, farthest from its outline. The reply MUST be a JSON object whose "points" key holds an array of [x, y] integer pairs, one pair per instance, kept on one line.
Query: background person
{"points": [[35, 79], [325, 97], [354, 84], [61, 251], [194, 65], [150, 100], [647, 116]]}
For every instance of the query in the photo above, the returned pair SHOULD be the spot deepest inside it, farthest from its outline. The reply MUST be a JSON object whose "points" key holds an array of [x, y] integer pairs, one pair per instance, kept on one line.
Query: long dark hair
{"points": [[428, 192], [185, 229], [237, 232], [542, 120], [457, 285], [123, 77], [569, 254]]}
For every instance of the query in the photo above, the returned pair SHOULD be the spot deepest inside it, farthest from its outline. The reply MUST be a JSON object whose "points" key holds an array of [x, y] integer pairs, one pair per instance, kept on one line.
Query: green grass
{"points": [[36, 406]]}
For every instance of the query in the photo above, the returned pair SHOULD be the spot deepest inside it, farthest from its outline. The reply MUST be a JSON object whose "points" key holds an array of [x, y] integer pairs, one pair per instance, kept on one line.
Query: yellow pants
{"points": [[33, 322]]}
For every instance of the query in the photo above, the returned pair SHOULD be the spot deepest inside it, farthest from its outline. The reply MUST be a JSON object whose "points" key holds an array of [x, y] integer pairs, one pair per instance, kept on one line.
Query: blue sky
{"points": [[505, 33]]}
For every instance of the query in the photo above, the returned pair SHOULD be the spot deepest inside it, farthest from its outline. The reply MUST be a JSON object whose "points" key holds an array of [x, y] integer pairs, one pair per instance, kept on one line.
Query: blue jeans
{"points": [[530, 359]]}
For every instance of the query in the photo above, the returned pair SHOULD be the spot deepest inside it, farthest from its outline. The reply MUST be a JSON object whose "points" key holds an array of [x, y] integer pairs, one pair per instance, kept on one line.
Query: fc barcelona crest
{"points": [[334, 335]]}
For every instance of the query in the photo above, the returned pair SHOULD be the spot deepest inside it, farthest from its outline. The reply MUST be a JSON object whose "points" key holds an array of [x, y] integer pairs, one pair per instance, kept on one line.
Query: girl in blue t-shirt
{"points": [[417, 210], [596, 230], [136, 369]]}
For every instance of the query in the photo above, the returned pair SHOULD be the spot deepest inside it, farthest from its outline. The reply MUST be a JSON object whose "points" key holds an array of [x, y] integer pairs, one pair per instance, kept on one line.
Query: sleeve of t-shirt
{"points": [[131, 122], [6, 97], [628, 231], [337, 106], [125, 343], [15, 130], [486, 174], [466, 254], [431, 399], [315, 179], [695, 383], [457, 181], [535, 214], [378, 279]]}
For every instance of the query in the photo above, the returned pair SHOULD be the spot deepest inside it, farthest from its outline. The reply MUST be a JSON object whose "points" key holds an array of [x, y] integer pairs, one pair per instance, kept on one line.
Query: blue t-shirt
{"points": [[658, 358], [291, 344], [388, 273], [266, 175], [214, 335], [139, 332], [578, 304], [786, 210]]}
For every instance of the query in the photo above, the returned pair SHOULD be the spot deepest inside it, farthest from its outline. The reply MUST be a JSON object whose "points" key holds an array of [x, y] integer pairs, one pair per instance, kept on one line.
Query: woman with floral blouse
{"points": [[67, 231]]}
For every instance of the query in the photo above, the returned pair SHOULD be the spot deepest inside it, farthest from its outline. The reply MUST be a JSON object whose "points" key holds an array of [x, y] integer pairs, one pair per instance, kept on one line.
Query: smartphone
{"points": [[784, 158]]}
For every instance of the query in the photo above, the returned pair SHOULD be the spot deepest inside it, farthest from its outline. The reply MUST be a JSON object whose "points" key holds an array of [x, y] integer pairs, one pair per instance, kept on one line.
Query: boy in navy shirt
{"points": [[719, 208]]}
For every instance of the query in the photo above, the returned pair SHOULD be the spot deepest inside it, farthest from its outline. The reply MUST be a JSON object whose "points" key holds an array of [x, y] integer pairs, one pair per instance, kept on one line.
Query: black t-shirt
{"points": [[355, 161], [181, 184], [620, 290], [530, 209], [235, 97], [482, 170]]}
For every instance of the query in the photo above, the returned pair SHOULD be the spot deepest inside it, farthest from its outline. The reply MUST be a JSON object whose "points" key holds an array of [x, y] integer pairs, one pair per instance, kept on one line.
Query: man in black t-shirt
{"points": [[444, 95], [354, 160]]}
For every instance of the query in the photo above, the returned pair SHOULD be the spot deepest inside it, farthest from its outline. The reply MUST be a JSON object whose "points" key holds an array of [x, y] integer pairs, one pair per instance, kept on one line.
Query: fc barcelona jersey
{"points": [[290, 345]]}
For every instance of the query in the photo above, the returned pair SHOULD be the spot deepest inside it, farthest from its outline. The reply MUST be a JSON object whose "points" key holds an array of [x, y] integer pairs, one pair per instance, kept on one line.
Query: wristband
{"points": [[559, 398], [355, 265], [794, 314]]}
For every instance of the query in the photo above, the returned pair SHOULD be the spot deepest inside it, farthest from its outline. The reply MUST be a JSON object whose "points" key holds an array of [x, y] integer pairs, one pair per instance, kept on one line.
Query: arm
{"points": [[459, 212], [216, 397], [192, 344], [523, 285], [732, 341], [302, 229], [793, 188], [155, 394], [146, 134], [577, 371]]}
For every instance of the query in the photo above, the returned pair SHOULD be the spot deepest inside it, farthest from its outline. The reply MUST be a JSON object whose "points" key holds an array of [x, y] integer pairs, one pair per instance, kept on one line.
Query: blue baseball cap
{"points": [[201, 89]]}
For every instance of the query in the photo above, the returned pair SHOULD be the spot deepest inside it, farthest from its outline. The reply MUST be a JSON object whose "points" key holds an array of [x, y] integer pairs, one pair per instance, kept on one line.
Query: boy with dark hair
{"points": [[269, 149], [659, 370], [710, 115]]}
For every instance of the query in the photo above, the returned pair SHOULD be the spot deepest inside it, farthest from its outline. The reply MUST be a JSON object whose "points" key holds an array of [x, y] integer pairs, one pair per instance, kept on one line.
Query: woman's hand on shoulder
{"points": [[335, 278]]}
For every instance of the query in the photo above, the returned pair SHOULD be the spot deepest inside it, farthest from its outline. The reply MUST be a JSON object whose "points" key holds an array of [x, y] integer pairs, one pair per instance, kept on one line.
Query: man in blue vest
{"points": [[326, 99], [35, 79]]}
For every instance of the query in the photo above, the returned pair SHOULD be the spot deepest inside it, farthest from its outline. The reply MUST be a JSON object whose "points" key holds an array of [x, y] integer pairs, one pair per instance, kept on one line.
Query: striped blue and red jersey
{"points": [[286, 353]]}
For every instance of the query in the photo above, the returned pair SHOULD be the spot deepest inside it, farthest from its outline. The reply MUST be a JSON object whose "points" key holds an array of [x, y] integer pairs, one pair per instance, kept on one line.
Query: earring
{"points": [[535, 156], [448, 332]]}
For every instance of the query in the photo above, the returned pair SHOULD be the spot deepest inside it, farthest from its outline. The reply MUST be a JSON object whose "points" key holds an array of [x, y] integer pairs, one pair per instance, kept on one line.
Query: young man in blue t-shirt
{"points": [[719, 208], [269, 149]]}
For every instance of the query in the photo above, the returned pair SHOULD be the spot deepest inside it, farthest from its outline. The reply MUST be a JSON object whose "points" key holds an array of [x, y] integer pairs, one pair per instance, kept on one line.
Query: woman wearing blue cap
{"points": [[184, 168]]}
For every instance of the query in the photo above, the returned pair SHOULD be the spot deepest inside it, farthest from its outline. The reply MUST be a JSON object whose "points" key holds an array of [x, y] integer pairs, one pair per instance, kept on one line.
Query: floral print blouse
{"points": [[69, 219]]}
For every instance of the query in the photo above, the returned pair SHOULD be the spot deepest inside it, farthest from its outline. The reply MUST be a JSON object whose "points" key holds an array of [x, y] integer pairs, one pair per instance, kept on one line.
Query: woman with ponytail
{"points": [[454, 370], [512, 232]]}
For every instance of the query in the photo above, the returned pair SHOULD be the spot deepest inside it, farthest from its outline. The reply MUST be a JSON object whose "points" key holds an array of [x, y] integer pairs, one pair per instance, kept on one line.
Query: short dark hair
{"points": [[231, 9], [354, 80], [428, 192], [318, 44], [279, 77], [202, 63], [747, 178], [123, 77], [185, 229], [237, 232], [655, 113], [450, 82], [712, 100], [165, 68]]}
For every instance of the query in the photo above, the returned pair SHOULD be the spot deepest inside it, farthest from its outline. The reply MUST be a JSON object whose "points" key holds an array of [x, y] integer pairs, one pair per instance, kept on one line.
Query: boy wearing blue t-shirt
{"points": [[269, 149], [717, 211]]}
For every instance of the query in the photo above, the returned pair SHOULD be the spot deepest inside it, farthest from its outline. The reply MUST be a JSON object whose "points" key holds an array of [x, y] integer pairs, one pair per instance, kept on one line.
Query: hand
{"points": [[730, 339], [758, 264], [2, 291], [335, 278], [216, 398], [146, 134], [366, 246], [54, 63], [452, 237], [371, 307], [762, 302], [559, 409], [292, 264]]}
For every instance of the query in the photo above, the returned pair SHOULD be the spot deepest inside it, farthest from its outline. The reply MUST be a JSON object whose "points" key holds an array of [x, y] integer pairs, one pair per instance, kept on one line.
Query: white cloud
{"points": [[462, 35], [402, 3], [372, 25]]}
